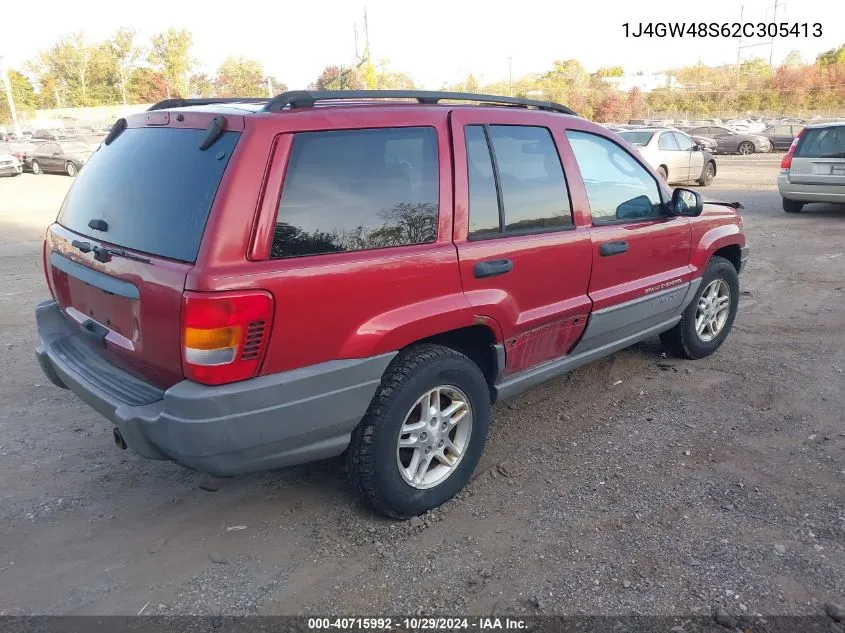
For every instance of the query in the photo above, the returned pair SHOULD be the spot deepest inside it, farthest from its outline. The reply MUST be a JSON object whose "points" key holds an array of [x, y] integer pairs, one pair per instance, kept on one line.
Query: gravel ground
{"points": [[687, 486]]}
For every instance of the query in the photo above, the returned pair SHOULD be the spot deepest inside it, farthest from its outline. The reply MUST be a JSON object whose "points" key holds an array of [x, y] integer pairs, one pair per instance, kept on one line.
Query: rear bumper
{"points": [[810, 193], [259, 424]]}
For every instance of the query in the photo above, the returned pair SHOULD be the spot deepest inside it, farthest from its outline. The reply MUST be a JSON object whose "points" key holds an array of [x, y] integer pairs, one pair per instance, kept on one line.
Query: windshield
{"points": [[637, 138], [153, 187]]}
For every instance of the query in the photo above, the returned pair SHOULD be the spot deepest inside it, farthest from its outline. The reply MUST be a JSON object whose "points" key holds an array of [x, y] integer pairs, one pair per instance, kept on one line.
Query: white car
{"points": [[9, 164], [672, 154]]}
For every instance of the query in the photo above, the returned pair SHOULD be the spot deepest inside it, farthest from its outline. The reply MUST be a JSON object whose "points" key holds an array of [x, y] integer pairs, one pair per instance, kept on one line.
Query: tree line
{"points": [[76, 72]]}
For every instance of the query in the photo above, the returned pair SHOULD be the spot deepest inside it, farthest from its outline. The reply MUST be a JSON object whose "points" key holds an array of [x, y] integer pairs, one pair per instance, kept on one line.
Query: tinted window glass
{"points": [[153, 187], [49, 148], [786, 130], [350, 190], [667, 142], [637, 138], [483, 202], [685, 143], [826, 142], [618, 187], [534, 193]]}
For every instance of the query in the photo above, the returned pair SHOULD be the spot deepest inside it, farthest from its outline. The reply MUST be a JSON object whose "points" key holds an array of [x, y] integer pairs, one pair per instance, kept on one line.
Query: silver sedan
{"points": [[673, 155]]}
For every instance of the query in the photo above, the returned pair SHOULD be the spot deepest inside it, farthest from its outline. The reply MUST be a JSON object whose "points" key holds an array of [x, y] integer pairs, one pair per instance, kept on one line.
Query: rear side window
{"points": [[153, 187], [619, 189], [351, 190], [524, 163], [826, 142]]}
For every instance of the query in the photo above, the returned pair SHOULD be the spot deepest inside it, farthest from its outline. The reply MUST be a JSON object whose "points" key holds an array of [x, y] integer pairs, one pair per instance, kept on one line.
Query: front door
{"points": [[640, 255], [523, 261]]}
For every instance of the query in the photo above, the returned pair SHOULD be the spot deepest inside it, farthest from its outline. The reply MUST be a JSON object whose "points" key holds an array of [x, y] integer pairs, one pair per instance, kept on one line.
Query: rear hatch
{"points": [[127, 235], [820, 157]]}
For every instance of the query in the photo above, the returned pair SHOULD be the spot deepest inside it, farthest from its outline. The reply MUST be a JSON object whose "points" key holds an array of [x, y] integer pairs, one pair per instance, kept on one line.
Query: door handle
{"points": [[613, 248], [492, 268]]}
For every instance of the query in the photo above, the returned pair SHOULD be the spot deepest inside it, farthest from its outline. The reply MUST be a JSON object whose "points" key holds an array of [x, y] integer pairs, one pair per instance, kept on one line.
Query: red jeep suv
{"points": [[245, 284]]}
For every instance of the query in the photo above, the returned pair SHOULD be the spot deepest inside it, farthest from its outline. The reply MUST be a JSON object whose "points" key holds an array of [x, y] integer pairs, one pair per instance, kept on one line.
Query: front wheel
{"points": [[36, 168], [708, 318], [423, 433], [70, 169], [708, 174], [745, 148]]}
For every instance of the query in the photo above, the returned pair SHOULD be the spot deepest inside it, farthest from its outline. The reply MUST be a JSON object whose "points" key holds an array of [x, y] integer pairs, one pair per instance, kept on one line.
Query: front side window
{"points": [[618, 187], [351, 190], [685, 143]]}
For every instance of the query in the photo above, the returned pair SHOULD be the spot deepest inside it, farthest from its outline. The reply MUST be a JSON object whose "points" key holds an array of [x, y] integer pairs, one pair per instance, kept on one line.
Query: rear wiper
{"points": [[102, 254]]}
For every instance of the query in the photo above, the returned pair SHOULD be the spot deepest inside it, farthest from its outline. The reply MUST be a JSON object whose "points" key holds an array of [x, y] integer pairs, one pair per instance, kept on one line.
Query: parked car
{"points": [[745, 126], [782, 134], [46, 135], [673, 155], [372, 291], [10, 165], [730, 142], [813, 170], [65, 157]]}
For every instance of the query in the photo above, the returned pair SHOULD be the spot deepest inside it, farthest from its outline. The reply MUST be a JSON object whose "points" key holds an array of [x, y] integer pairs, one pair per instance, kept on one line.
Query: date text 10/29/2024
{"points": [[419, 623], [723, 29]]}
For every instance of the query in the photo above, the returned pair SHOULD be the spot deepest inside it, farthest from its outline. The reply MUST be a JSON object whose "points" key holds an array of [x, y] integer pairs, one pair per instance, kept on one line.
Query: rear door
{"points": [[47, 156], [640, 255], [677, 161], [782, 136], [523, 260], [820, 157], [694, 158], [147, 197]]}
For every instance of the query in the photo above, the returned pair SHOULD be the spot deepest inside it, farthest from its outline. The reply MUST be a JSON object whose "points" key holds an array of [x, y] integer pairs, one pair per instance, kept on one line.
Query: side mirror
{"points": [[696, 148], [686, 202]]}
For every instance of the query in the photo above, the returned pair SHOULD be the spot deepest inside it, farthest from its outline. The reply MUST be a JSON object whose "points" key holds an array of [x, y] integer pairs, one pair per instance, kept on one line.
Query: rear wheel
{"points": [[70, 169], [745, 148], [707, 320], [708, 174], [792, 206], [423, 433], [661, 171], [36, 168]]}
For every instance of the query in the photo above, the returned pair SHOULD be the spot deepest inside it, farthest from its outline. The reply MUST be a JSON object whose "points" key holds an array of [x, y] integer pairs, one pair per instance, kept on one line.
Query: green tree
{"points": [[77, 72], [793, 60], [612, 71], [124, 54], [833, 56], [23, 95], [240, 77], [171, 56], [201, 85]]}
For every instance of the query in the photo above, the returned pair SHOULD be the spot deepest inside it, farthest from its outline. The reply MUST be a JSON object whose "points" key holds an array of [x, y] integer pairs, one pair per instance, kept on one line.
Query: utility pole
{"points": [[4, 75], [772, 46], [510, 76], [739, 45]]}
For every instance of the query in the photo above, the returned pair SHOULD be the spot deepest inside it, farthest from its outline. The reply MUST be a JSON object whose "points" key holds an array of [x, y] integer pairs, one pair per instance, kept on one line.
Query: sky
{"points": [[434, 41]]}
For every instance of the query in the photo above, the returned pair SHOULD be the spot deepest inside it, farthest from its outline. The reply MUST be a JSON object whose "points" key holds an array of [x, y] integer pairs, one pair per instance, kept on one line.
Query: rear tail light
{"points": [[786, 163], [46, 267], [224, 335]]}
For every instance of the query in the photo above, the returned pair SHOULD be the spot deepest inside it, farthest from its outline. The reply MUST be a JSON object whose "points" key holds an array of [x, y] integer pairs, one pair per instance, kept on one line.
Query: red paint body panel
{"points": [[359, 304]]}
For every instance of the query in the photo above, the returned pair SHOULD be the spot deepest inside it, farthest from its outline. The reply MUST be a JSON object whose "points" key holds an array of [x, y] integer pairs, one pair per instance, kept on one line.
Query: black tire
{"points": [[745, 148], [664, 175], [708, 174], [682, 340], [372, 456], [792, 206], [36, 168], [70, 169]]}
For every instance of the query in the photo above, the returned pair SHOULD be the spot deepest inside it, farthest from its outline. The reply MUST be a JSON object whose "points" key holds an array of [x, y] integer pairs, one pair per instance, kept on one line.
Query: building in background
{"points": [[645, 83]]}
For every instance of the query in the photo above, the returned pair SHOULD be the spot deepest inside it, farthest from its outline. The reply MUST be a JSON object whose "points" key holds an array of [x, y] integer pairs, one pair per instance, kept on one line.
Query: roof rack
{"points": [[178, 102], [306, 99]]}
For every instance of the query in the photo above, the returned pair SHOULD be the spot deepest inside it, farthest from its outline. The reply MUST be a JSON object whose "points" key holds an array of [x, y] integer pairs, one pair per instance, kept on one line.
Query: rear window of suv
{"points": [[153, 187], [351, 190], [826, 142]]}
